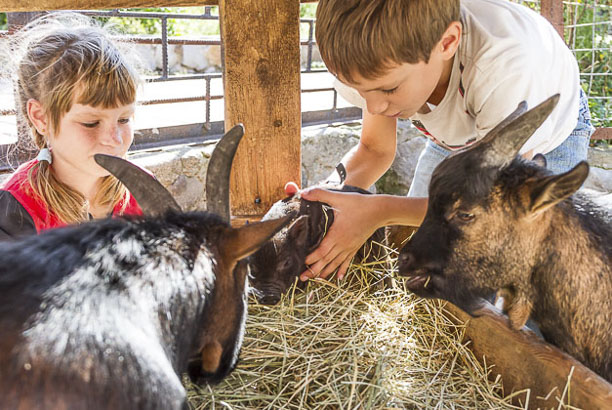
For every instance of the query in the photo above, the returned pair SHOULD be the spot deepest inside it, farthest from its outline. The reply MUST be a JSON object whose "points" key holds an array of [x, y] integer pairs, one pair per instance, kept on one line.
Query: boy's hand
{"points": [[354, 223], [291, 188]]}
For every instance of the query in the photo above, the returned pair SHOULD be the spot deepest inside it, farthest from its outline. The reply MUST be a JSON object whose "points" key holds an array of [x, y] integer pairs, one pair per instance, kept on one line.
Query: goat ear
{"points": [[551, 190], [298, 231], [238, 243], [510, 135], [211, 356]]}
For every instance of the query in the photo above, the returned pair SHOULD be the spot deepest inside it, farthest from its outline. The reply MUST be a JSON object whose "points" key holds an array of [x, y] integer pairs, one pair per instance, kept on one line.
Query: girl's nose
{"points": [[113, 136]]}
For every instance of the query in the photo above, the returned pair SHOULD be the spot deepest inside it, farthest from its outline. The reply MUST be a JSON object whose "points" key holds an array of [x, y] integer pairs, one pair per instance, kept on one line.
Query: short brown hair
{"points": [[366, 36]]}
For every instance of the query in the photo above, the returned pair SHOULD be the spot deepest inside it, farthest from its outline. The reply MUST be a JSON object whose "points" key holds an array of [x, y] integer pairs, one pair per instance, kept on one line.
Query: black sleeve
{"points": [[14, 219]]}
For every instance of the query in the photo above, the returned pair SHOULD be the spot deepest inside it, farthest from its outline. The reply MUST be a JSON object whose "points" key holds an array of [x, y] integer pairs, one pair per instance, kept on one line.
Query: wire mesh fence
{"points": [[587, 30]]}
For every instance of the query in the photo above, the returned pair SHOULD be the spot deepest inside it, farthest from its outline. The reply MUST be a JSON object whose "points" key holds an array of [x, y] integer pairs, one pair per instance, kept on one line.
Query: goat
{"points": [[110, 313], [497, 222], [277, 264]]}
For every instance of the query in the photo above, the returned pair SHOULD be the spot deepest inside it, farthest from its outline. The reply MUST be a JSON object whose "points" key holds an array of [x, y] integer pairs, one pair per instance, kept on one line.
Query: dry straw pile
{"points": [[354, 345]]}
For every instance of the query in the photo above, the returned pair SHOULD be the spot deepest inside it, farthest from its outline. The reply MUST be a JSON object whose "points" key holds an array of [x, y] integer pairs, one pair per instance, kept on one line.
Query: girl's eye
{"points": [[391, 91], [90, 124], [124, 120]]}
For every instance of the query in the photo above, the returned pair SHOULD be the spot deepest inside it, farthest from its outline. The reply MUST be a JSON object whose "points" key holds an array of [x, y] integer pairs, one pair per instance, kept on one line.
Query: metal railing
{"points": [[159, 136]]}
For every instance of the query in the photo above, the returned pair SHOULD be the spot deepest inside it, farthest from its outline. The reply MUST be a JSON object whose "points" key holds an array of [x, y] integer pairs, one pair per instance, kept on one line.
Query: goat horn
{"points": [[218, 174], [504, 142], [152, 197]]}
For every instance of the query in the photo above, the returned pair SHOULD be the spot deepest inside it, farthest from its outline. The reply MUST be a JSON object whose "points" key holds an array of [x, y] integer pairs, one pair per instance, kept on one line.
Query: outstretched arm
{"points": [[356, 217]]}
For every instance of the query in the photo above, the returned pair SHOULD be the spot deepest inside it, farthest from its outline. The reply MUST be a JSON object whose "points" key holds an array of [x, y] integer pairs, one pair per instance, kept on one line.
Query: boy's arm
{"points": [[374, 154], [357, 216]]}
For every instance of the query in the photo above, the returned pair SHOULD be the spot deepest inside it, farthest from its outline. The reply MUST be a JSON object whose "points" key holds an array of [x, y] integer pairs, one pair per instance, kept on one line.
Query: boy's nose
{"points": [[376, 106]]}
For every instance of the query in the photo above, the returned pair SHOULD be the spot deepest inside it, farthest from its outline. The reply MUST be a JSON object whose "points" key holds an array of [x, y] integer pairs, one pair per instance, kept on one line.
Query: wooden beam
{"points": [[553, 11], [525, 361], [262, 90], [602, 134], [39, 5]]}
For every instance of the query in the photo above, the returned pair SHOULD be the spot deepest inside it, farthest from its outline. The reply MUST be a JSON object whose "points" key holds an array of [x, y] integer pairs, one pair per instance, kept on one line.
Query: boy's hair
{"points": [[366, 36], [65, 59]]}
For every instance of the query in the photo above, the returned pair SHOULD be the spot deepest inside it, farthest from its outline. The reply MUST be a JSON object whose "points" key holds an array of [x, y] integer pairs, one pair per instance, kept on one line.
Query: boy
{"points": [[456, 69]]}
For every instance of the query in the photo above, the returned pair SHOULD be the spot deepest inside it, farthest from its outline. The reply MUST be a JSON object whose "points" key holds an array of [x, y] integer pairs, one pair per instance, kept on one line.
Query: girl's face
{"points": [[85, 131]]}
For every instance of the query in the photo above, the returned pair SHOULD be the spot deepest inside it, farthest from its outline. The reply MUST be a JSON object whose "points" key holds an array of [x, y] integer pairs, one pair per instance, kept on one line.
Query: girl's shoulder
{"points": [[19, 177]]}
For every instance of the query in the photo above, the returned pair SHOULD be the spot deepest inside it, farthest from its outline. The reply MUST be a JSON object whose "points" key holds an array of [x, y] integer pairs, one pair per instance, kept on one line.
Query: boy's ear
{"points": [[37, 115], [553, 189], [450, 39]]}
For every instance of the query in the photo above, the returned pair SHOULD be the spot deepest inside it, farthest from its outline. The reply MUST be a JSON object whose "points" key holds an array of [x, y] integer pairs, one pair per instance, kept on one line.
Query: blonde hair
{"points": [[366, 37], [63, 59]]}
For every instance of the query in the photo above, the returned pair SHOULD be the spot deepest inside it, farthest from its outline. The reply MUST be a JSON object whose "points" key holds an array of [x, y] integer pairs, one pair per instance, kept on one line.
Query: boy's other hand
{"points": [[291, 188], [354, 223]]}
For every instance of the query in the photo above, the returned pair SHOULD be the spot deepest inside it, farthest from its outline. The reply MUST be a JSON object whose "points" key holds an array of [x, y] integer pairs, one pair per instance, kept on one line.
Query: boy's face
{"points": [[85, 131], [405, 88]]}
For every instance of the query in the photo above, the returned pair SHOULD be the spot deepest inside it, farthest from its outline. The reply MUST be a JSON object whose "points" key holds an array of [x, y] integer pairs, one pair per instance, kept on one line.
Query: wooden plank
{"points": [[237, 221], [553, 11], [262, 91], [21, 5], [602, 134], [525, 361]]}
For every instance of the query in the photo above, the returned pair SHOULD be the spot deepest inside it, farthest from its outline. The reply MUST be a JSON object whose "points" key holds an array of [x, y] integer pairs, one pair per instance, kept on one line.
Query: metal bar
{"points": [[310, 43], [208, 98], [164, 33]]}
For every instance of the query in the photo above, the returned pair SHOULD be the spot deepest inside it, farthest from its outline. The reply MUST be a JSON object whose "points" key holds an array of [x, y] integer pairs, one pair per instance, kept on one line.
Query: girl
{"points": [[77, 94]]}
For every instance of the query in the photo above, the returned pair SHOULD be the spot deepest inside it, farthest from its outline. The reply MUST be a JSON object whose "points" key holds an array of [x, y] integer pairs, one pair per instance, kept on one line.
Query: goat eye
{"points": [[464, 216]]}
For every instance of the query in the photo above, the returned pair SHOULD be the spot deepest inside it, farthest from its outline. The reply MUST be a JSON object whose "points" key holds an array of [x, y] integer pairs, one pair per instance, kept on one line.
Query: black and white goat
{"points": [[109, 314]]}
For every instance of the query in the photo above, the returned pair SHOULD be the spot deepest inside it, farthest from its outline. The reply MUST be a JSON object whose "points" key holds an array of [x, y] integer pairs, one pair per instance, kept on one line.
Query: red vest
{"points": [[42, 216]]}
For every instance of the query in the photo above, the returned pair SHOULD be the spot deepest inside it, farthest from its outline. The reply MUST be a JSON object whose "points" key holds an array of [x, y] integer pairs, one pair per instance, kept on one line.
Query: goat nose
{"points": [[269, 299], [406, 262]]}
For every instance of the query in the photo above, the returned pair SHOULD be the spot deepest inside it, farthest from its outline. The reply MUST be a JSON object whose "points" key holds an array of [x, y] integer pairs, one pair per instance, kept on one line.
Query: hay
{"points": [[352, 345]]}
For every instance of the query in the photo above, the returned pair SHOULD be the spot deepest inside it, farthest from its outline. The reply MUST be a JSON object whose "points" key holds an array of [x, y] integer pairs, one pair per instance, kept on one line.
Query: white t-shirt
{"points": [[508, 53]]}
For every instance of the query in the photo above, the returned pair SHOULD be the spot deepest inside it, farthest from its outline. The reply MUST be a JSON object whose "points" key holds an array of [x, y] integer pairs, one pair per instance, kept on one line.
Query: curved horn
{"points": [[218, 174], [512, 133], [152, 197]]}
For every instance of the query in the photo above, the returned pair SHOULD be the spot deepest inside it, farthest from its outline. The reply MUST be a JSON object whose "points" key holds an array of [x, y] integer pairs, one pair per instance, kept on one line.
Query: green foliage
{"points": [[308, 10], [3, 25], [176, 27]]}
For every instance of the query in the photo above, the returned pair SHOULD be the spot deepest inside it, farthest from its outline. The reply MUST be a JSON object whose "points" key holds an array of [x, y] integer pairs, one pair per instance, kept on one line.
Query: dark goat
{"points": [[496, 222], [277, 264], [109, 314]]}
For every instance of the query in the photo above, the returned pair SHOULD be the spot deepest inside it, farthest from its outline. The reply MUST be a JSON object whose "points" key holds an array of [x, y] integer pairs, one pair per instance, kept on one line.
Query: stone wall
{"points": [[182, 168]]}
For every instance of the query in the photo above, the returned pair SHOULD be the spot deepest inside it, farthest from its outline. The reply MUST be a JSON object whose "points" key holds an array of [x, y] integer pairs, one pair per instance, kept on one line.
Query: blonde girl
{"points": [[77, 93]]}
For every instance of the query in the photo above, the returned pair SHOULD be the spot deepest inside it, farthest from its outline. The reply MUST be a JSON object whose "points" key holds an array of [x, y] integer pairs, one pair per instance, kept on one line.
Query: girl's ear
{"points": [[37, 116]]}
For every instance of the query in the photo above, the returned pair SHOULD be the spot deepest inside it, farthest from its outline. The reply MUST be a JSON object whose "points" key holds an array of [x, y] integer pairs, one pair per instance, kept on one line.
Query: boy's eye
{"points": [[390, 91], [90, 124], [124, 120]]}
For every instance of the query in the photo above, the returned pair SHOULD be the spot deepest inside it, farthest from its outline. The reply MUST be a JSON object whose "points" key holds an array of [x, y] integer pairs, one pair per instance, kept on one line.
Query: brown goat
{"points": [[279, 262], [497, 222]]}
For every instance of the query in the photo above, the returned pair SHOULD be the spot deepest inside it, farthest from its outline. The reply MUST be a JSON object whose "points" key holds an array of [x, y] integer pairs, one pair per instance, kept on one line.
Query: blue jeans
{"points": [[563, 158]]}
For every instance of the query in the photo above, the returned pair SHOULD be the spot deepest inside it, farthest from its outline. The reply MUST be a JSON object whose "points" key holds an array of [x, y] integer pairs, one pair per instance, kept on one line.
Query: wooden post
{"points": [[262, 90], [553, 11], [525, 361]]}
